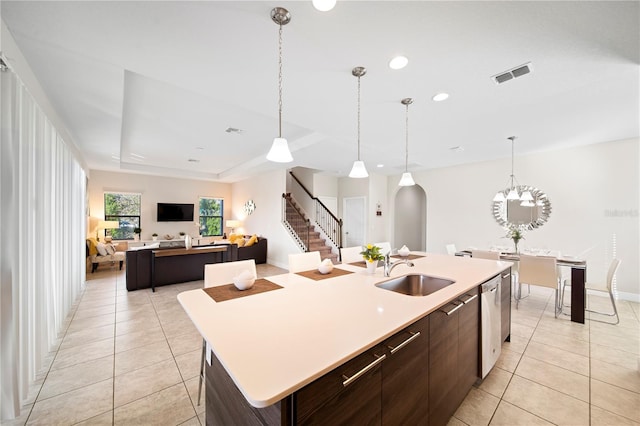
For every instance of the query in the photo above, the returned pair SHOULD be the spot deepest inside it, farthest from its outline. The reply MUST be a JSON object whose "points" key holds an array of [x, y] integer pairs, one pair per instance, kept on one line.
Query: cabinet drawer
{"points": [[343, 379]]}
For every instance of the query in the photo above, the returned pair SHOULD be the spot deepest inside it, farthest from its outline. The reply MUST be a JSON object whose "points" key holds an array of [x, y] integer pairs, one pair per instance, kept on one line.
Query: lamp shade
{"points": [[108, 224], [279, 152], [358, 170], [406, 180], [526, 196], [513, 195], [323, 5], [233, 223], [499, 197]]}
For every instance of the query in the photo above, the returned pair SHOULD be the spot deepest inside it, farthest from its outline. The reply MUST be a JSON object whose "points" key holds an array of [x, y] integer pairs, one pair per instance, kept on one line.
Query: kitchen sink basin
{"points": [[415, 284]]}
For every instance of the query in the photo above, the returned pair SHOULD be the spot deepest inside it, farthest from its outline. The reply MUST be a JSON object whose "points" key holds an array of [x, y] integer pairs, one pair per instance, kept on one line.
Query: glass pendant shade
{"points": [[513, 195], [406, 180], [323, 5], [358, 170], [526, 196], [279, 152], [499, 196]]}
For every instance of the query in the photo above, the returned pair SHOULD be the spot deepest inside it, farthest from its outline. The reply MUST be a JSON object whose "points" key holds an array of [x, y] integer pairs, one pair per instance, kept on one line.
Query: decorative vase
{"points": [[187, 242], [515, 242], [371, 266], [154, 238]]}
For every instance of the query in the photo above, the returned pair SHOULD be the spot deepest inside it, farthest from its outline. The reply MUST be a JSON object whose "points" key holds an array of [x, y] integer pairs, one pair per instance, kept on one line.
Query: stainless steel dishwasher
{"points": [[490, 323]]}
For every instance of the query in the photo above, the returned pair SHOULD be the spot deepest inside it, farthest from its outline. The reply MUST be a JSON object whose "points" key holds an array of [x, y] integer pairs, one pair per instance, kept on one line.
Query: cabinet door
{"points": [[505, 301], [350, 394], [443, 363], [405, 376], [468, 343]]}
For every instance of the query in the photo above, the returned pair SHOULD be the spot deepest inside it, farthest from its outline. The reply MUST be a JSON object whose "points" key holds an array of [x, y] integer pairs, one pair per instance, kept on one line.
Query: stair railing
{"points": [[327, 221], [294, 220]]}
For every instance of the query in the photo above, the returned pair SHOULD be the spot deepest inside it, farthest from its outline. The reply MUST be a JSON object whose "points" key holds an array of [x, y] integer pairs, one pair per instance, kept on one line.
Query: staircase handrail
{"points": [[337, 230], [303, 241]]}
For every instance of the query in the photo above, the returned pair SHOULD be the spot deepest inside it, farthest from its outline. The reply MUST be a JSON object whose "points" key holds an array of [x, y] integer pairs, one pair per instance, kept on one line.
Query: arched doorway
{"points": [[410, 218]]}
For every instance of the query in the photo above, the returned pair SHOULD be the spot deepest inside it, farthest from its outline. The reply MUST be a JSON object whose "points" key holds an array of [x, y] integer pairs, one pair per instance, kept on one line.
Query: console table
{"points": [[166, 262]]}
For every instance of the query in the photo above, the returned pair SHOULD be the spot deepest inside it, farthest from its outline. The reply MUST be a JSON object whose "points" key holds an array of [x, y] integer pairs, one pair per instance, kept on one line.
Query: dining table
{"points": [[578, 279]]}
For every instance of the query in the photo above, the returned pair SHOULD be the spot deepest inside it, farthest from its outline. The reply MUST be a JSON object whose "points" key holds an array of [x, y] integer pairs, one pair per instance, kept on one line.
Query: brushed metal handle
{"points": [[414, 335], [454, 309], [349, 380], [475, 296], [506, 275]]}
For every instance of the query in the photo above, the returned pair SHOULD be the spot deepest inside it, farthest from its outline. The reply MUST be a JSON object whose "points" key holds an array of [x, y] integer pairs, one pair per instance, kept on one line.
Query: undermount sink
{"points": [[415, 284]]}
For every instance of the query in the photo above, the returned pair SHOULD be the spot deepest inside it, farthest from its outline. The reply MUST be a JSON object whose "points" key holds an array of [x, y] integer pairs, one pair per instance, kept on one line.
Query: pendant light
{"points": [[279, 151], [512, 195], [358, 170], [407, 179]]}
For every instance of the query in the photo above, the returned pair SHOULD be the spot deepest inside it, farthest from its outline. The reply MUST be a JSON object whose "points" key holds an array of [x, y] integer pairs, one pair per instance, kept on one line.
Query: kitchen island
{"points": [[273, 345]]}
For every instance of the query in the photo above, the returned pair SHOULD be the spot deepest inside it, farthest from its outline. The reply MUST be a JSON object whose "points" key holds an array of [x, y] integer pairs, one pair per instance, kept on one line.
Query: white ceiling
{"points": [[145, 86]]}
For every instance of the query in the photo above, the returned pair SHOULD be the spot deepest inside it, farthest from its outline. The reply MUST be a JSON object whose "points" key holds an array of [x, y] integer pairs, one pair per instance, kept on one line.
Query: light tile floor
{"points": [[133, 358]]}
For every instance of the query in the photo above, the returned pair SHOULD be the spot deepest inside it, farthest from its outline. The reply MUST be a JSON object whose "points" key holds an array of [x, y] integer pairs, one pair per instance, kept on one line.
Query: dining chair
{"points": [[451, 249], [216, 274], [385, 247], [605, 287], [351, 254], [484, 254], [299, 262], [541, 271]]}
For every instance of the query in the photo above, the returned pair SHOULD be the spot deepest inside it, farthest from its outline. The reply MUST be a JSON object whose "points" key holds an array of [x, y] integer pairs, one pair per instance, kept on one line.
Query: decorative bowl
{"points": [[325, 267], [168, 237], [404, 251], [244, 281]]}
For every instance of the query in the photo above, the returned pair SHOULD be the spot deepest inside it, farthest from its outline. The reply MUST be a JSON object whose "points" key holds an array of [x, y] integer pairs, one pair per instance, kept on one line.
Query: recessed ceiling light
{"points": [[398, 62], [323, 5], [380, 166], [440, 97]]}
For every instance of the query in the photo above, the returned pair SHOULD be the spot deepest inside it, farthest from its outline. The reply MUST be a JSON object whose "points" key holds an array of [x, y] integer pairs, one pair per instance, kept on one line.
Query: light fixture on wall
{"points": [[407, 179], [512, 193], [279, 151], [358, 170]]}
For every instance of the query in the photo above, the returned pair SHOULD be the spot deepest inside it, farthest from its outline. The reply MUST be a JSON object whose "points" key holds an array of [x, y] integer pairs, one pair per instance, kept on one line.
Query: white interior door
{"points": [[354, 221]]}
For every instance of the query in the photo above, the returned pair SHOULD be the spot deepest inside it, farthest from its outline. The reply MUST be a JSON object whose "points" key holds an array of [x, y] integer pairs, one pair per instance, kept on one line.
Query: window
{"points": [[125, 208], [211, 216]]}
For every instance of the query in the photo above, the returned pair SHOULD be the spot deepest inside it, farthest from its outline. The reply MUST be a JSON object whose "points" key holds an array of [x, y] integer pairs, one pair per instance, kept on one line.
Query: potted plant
{"points": [[154, 236], [371, 255], [136, 233]]}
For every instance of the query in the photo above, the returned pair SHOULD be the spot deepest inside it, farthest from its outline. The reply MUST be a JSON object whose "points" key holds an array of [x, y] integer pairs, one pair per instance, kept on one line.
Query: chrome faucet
{"points": [[388, 266]]}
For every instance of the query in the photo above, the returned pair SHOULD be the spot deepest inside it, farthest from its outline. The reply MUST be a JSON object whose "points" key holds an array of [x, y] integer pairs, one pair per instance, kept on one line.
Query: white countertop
{"points": [[276, 342]]}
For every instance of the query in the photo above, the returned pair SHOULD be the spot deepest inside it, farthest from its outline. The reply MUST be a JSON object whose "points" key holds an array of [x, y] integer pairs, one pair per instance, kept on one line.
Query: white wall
{"points": [[156, 189], [266, 191], [594, 198], [378, 226]]}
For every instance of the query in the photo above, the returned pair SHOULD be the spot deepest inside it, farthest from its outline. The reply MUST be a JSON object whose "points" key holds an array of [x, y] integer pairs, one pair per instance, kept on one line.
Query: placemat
{"points": [[409, 257], [229, 291], [361, 263], [314, 274]]}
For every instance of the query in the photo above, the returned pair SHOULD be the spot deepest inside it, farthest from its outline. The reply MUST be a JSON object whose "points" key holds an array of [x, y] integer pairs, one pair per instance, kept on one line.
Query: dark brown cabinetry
{"points": [[405, 376], [453, 355], [349, 394], [505, 303]]}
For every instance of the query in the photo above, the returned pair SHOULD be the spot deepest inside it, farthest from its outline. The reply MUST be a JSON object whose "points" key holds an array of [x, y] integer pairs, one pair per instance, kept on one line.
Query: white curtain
{"points": [[42, 233]]}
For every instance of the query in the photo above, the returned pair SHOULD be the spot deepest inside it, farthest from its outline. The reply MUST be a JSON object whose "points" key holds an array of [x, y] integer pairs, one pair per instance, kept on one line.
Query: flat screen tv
{"points": [[173, 212]]}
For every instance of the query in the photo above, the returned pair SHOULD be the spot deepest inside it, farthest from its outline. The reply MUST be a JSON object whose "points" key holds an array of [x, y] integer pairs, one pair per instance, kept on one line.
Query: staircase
{"points": [[300, 226]]}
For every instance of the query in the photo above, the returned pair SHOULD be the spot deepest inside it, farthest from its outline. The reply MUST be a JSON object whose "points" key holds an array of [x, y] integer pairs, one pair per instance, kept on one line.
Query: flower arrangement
{"points": [[516, 234], [371, 253]]}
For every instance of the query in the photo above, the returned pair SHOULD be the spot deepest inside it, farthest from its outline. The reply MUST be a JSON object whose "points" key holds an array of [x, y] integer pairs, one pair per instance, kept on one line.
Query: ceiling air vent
{"points": [[516, 72]]}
